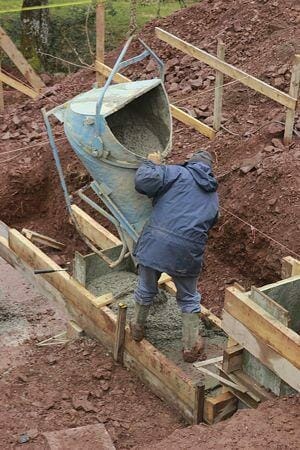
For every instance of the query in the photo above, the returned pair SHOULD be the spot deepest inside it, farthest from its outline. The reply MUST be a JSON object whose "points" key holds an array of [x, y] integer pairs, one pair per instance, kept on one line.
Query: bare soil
{"points": [[274, 425], [259, 191], [58, 386]]}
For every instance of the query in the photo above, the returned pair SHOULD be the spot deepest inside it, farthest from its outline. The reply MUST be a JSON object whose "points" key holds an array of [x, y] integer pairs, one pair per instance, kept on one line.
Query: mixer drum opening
{"points": [[143, 125]]}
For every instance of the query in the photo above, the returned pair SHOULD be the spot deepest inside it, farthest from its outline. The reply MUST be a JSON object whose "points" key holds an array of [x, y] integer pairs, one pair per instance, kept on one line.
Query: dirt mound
{"points": [[273, 425], [258, 176]]}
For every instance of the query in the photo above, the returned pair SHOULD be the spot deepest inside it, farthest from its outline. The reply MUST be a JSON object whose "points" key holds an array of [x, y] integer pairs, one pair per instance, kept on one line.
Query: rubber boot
{"points": [[193, 344], [137, 325]]}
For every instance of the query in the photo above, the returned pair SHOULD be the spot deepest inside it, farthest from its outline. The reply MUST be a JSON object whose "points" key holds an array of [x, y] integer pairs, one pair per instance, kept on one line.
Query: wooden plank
{"points": [[62, 281], [219, 89], [79, 268], [207, 362], [93, 230], [282, 339], [18, 86], [271, 359], [33, 236], [176, 112], [290, 267], [104, 239], [227, 69], [199, 403], [222, 380], [192, 122], [220, 407], [159, 388], [249, 398], [1, 94], [269, 305], [100, 39], [21, 63], [232, 358], [120, 333], [294, 91], [101, 324]]}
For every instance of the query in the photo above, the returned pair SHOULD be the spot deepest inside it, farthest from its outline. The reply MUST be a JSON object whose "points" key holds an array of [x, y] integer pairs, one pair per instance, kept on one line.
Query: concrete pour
{"points": [[164, 323]]}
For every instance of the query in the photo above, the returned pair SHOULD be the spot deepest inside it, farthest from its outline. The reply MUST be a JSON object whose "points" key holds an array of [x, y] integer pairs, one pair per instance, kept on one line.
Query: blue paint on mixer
{"points": [[112, 129]]}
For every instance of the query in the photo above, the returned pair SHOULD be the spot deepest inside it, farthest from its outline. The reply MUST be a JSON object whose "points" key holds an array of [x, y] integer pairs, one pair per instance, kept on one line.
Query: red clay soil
{"points": [[274, 425], [262, 38], [57, 387], [62, 387]]}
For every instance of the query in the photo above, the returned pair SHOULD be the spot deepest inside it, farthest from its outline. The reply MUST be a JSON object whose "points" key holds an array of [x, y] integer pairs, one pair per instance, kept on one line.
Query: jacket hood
{"points": [[203, 176]]}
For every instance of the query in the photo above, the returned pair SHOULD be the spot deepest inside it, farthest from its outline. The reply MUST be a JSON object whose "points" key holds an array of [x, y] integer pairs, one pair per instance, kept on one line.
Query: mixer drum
{"points": [[135, 120]]}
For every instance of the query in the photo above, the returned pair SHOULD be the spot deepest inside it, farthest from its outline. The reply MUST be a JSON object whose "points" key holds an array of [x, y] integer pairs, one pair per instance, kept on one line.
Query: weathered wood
{"points": [[294, 91], [207, 362], [67, 285], [153, 368], [120, 333], [74, 331], [176, 112], [21, 63], [269, 357], [100, 39], [18, 86], [79, 268], [199, 403], [192, 122], [282, 339], [290, 267], [104, 239], [1, 94], [253, 394], [220, 407], [219, 89], [161, 389], [232, 358], [95, 232], [228, 69], [269, 305], [222, 380], [33, 236]]}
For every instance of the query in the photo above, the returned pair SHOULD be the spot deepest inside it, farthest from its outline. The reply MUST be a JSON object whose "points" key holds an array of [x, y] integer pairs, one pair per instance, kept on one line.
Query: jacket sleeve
{"points": [[150, 178], [155, 179]]}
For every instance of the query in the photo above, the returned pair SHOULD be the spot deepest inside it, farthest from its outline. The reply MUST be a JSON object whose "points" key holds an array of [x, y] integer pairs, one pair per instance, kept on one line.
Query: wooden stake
{"points": [[100, 38], [294, 91], [219, 89], [199, 403], [120, 333], [21, 63], [1, 95]]}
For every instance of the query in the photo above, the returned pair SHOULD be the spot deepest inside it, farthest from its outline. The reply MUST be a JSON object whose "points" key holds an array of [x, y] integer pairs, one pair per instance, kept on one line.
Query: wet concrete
{"points": [[164, 322]]}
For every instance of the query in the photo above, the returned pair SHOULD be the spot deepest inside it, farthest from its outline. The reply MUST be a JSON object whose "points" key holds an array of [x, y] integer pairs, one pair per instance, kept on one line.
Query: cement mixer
{"points": [[112, 129]]}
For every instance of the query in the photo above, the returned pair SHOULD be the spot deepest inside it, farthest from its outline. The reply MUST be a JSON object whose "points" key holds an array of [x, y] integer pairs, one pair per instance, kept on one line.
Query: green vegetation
{"points": [[68, 31]]}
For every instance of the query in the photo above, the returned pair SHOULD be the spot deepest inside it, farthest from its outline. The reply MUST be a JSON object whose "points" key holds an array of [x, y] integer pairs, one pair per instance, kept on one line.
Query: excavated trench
{"points": [[164, 323]]}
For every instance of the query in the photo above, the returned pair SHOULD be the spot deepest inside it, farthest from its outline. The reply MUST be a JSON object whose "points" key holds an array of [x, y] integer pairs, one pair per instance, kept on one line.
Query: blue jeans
{"points": [[187, 296]]}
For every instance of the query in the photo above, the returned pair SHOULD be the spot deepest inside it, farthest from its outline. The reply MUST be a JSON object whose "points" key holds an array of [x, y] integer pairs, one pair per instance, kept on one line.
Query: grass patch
{"points": [[68, 32]]}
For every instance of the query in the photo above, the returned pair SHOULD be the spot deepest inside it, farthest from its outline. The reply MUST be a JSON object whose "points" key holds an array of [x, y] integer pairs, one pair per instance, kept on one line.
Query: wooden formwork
{"points": [[264, 346], [163, 377]]}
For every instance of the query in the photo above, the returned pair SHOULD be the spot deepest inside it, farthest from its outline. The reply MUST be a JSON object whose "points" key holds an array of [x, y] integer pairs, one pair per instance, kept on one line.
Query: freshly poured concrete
{"points": [[164, 322]]}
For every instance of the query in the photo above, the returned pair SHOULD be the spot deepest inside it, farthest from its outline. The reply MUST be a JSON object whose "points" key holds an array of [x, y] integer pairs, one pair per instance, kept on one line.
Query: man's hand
{"points": [[155, 157]]}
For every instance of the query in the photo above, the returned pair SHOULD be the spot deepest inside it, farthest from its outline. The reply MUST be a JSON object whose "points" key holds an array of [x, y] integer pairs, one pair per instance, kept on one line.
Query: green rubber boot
{"points": [[193, 343], [137, 325]]}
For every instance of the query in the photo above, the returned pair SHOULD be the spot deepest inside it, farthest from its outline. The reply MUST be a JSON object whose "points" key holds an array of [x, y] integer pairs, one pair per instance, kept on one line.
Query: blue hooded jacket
{"points": [[185, 207]]}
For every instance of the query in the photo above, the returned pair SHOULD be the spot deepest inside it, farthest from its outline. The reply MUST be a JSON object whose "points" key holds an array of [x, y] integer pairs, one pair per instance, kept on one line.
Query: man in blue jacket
{"points": [[185, 207]]}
